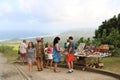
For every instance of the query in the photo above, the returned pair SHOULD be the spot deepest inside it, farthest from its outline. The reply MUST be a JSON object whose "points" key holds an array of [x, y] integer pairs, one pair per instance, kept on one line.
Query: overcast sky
{"points": [[55, 15]]}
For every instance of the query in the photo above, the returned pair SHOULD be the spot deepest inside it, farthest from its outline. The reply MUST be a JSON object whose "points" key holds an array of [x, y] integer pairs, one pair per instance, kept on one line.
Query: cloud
{"points": [[58, 13], [65, 12], [28, 5], [5, 8]]}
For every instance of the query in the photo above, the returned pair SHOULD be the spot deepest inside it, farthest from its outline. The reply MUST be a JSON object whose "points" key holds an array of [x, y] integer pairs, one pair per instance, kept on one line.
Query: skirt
{"points": [[50, 56]]}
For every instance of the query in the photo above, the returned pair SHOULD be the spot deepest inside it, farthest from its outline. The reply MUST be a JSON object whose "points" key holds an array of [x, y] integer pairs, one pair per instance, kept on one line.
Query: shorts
{"points": [[70, 57], [50, 56], [30, 59], [23, 55]]}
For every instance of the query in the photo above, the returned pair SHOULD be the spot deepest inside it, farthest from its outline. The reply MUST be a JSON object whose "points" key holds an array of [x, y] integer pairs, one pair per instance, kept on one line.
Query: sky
{"points": [[55, 15]]}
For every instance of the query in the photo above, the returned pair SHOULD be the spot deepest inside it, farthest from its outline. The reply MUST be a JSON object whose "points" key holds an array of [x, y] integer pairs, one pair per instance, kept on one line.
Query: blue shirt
{"points": [[72, 44]]}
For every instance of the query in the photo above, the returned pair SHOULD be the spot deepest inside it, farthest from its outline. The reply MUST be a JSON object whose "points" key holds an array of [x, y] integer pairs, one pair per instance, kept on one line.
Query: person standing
{"points": [[23, 47], [39, 54], [66, 44], [44, 57], [50, 55], [56, 53], [70, 55], [30, 55]]}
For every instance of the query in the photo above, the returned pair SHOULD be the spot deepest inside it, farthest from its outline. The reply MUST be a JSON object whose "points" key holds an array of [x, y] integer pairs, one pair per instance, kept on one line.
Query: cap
{"points": [[38, 38]]}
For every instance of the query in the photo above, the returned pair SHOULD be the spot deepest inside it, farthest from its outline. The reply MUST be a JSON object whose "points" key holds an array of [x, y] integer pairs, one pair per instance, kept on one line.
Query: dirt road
{"points": [[8, 71], [48, 74]]}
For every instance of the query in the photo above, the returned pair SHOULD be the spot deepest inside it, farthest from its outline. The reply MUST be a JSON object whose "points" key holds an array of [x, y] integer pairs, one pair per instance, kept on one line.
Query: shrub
{"points": [[116, 52], [8, 51]]}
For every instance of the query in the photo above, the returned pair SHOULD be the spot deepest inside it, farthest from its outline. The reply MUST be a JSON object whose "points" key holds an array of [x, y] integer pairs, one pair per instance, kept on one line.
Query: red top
{"points": [[49, 50]]}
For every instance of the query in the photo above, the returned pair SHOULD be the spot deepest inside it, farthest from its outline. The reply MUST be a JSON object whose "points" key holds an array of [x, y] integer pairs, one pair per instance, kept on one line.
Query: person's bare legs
{"points": [[55, 67], [30, 66], [69, 67], [22, 60], [72, 65], [51, 63], [47, 63]]}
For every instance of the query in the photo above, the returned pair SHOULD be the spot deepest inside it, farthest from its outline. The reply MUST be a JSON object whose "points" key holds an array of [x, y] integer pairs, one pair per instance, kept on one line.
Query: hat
{"points": [[38, 38]]}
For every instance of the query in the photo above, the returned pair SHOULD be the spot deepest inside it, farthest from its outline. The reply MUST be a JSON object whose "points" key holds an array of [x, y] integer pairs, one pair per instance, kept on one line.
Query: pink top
{"points": [[23, 47], [49, 50]]}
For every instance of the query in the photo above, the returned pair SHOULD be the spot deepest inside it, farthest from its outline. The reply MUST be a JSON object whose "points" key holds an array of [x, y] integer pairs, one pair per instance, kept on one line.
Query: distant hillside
{"points": [[75, 33], [79, 33]]}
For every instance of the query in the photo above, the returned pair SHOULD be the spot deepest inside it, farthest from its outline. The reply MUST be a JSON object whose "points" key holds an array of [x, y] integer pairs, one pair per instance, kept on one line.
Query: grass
{"points": [[110, 63], [10, 51]]}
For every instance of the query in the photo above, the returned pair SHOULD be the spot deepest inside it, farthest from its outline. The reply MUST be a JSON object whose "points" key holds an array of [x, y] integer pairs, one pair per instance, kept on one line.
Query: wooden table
{"points": [[84, 60]]}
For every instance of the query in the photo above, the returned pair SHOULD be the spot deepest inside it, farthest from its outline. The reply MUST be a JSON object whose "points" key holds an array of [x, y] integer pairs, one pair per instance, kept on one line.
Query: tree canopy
{"points": [[109, 32]]}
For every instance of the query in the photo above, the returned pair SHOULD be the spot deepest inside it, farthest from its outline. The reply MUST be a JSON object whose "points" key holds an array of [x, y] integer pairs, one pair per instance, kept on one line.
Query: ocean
{"points": [[12, 34]]}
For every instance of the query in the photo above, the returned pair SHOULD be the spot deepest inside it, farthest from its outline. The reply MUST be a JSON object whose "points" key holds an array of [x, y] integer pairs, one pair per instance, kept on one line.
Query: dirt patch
{"points": [[8, 74], [8, 71]]}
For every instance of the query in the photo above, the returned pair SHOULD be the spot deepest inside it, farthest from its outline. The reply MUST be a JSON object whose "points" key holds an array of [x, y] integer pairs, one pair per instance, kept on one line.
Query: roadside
{"points": [[48, 74], [8, 71]]}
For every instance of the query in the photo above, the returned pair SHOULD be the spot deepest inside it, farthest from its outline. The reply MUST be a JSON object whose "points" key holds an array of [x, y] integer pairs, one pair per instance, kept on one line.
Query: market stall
{"points": [[85, 56]]}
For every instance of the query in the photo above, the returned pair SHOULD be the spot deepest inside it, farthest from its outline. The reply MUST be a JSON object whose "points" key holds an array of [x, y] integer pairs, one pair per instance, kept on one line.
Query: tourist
{"points": [[66, 44], [50, 55], [70, 55], [23, 47], [39, 54], [56, 53], [44, 55], [30, 55]]}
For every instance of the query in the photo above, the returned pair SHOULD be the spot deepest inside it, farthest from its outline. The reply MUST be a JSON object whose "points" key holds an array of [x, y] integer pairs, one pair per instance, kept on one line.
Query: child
{"points": [[50, 55]]}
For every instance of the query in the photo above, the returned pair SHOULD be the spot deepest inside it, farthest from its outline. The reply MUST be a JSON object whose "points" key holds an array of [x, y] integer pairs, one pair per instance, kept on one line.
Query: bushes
{"points": [[8, 51], [116, 52]]}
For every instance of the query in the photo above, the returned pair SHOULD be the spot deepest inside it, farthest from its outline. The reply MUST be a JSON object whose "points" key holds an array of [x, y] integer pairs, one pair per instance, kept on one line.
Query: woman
{"points": [[56, 53], [50, 55], [30, 55]]}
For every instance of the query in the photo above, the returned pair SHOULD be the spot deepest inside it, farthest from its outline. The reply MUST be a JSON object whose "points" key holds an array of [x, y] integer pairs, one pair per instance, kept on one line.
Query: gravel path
{"points": [[48, 74], [8, 71]]}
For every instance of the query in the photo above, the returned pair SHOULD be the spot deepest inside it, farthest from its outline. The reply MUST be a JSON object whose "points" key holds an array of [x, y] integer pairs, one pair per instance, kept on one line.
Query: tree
{"points": [[108, 32], [104, 39], [82, 40], [46, 44], [88, 41], [114, 37]]}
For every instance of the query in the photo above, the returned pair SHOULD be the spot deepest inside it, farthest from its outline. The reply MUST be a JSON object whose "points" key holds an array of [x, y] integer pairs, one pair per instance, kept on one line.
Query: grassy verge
{"points": [[9, 51], [112, 64]]}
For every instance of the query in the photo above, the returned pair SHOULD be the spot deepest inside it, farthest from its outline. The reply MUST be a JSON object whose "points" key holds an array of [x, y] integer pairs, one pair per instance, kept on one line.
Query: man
{"points": [[39, 54], [23, 47], [70, 56]]}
